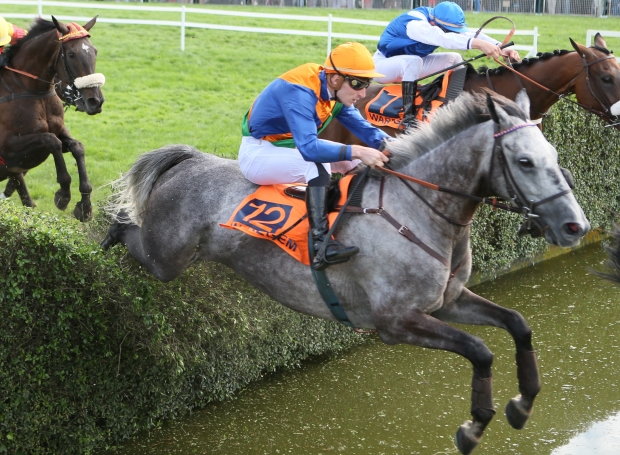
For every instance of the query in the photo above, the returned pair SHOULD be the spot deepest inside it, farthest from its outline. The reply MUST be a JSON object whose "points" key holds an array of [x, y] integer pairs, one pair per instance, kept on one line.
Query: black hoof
{"points": [[83, 212], [466, 442], [61, 202], [517, 416], [108, 242]]}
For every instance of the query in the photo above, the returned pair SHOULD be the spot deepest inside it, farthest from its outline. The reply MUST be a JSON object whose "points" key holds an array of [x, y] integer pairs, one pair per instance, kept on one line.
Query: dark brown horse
{"points": [[31, 114], [592, 74]]}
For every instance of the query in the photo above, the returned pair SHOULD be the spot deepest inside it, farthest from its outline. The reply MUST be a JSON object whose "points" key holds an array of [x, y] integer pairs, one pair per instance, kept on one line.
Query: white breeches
{"points": [[263, 163], [411, 67]]}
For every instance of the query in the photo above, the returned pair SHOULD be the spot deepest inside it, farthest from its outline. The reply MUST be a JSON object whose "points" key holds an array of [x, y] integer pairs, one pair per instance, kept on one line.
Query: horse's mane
{"points": [[482, 70], [465, 112], [38, 28]]}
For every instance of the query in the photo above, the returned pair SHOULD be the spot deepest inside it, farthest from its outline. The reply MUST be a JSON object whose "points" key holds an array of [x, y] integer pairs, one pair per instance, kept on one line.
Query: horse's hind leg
{"points": [[470, 308], [160, 250], [17, 182], [420, 329]]}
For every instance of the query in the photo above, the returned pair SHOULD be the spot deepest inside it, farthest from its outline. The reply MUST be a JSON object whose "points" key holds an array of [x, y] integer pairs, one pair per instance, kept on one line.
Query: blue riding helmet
{"points": [[450, 16]]}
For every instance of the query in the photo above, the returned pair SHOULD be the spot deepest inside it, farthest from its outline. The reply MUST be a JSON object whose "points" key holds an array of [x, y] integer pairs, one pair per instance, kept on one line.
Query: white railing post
{"points": [[182, 28], [40, 8], [535, 45], [329, 34]]}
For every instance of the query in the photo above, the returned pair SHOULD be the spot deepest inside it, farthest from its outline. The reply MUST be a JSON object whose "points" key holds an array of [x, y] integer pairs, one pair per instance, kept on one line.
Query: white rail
{"points": [[183, 24], [605, 33]]}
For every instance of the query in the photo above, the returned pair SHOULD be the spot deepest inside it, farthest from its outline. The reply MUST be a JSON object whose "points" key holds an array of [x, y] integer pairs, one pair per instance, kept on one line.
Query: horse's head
{"points": [[525, 170], [80, 85], [598, 86]]}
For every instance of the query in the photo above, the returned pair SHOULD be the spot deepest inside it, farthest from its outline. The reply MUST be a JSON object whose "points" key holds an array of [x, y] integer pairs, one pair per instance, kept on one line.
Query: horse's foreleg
{"points": [[420, 329], [83, 210], [470, 308]]}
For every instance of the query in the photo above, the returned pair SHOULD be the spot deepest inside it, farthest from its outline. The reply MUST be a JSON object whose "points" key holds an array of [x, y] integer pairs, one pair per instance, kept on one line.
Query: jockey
{"points": [[280, 141], [9, 33], [406, 46]]}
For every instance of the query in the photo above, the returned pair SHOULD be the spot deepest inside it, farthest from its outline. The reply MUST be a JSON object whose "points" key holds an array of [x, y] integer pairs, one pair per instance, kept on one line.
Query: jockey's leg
{"points": [[316, 204], [263, 163], [439, 61], [405, 69]]}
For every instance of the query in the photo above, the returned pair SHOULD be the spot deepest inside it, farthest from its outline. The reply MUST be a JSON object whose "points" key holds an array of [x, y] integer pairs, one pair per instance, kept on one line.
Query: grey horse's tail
{"points": [[132, 190]]}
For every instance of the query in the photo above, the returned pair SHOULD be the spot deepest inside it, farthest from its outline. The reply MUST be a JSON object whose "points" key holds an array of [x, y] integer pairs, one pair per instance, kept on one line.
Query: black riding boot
{"points": [[409, 92], [335, 253]]}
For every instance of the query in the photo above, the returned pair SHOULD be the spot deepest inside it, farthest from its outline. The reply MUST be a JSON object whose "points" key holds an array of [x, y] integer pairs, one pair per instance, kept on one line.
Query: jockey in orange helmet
{"points": [[9, 33], [280, 141]]}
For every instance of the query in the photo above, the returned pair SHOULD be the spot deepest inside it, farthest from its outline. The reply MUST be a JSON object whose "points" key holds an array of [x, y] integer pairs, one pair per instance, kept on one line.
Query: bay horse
{"points": [[31, 114], [170, 203], [592, 74]]}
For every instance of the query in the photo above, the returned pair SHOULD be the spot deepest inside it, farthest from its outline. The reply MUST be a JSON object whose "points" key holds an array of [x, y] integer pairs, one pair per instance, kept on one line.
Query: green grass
{"points": [[158, 95]]}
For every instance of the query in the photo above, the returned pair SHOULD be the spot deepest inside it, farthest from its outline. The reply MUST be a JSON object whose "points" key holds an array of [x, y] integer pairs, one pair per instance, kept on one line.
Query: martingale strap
{"points": [[402, 229]]}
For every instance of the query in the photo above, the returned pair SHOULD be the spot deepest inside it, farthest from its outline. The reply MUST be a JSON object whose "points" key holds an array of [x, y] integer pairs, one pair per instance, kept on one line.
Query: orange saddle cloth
{"points": [[271, 214], [386, 108]]}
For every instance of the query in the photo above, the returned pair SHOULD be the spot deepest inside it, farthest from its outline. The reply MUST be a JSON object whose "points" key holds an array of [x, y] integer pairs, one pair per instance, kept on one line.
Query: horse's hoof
{"points": [[108, 242], [83, 214], [466, 441], [515, 413], [61, 202]]}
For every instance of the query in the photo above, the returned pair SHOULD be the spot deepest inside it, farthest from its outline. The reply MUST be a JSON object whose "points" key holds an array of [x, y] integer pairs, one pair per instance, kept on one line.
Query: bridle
{"points": [[520, 202], [586, 67], [71, 90]]}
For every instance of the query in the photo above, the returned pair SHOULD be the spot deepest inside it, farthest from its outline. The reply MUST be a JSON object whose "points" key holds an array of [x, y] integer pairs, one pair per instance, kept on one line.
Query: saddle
{"points": [[386, 108], [278, 213]]}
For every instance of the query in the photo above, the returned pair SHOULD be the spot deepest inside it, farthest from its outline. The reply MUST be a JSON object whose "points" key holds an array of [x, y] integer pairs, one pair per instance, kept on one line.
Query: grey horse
{"points": [[171, 202]]}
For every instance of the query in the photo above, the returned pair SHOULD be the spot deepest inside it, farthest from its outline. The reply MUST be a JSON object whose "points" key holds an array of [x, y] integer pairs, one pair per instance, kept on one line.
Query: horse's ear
{"points": [[90, 23], [496, 111], [581, 50], [523, 101], [599, 41], [62, 28], [492, 110]]}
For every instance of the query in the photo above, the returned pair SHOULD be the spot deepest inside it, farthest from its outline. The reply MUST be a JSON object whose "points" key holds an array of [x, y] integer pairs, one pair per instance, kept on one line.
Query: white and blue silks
{"points": [[406, 46]]}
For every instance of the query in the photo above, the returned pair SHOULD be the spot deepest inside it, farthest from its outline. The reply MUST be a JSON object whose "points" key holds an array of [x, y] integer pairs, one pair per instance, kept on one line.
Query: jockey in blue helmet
{"points": [[405, 50]]}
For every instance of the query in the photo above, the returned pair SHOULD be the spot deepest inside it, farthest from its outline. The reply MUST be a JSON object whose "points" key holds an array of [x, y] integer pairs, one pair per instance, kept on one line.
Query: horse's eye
{"points": [[525, 162], [71, 55], [608, 79]]}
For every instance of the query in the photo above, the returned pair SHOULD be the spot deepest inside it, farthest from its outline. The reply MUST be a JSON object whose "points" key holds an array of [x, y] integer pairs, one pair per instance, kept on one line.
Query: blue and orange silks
{"points": [[294, 107], [270, 214]]}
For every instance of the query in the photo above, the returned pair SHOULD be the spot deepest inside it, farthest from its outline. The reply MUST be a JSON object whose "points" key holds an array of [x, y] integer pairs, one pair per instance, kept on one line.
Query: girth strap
{"points": [[17, 96]]}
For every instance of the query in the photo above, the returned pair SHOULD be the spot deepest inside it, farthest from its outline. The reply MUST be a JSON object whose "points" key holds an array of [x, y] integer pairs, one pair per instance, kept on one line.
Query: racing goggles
{"points": [[357, 84]]}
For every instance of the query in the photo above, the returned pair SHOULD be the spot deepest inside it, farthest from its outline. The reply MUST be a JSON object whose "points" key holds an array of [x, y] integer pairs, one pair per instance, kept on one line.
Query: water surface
{"points": [[397, 400]]}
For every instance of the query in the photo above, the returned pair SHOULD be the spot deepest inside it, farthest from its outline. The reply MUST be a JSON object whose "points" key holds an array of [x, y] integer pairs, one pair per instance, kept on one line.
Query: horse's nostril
{"points": [[572, 228]]}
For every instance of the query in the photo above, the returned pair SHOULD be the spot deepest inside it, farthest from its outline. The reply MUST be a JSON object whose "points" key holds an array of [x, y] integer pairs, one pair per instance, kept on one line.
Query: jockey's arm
{"points": [[352, 120], [298, 106]]}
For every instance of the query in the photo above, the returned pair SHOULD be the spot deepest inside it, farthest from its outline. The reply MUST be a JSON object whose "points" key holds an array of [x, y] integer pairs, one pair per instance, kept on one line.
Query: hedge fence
{"points": [[94, 350]]}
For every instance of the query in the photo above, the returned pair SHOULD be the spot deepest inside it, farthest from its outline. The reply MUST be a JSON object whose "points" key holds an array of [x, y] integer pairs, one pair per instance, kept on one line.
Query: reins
{"points": [[521, 204]]}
